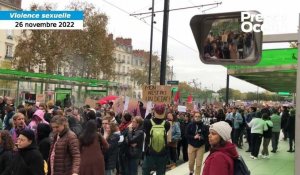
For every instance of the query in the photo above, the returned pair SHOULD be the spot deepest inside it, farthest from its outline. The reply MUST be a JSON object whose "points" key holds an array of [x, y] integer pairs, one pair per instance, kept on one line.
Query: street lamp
{"points": [[151, 42]]}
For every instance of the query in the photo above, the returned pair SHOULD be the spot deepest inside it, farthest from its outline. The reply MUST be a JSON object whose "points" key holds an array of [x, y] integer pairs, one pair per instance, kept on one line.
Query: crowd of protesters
{"points": [[57, 140]]}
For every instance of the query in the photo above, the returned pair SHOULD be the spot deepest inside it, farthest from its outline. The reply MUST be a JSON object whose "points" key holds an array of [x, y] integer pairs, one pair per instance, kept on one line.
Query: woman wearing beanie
{"points": [[28, 160], [220, 160]]}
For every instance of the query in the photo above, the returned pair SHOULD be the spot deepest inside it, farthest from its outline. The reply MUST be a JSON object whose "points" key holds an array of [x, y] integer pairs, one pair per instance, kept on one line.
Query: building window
{"points": [[9, 51], [128, 60], [136, 62]]}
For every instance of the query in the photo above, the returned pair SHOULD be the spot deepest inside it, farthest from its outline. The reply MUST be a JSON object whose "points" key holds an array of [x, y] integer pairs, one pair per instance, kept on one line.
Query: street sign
{"points": [[284, 93], [173, 82], [174, 89]]}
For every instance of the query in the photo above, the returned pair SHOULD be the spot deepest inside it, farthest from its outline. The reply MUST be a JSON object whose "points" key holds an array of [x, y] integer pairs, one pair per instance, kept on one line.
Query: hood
{"points": [[39, 113], [229, 149], [43, 131]]}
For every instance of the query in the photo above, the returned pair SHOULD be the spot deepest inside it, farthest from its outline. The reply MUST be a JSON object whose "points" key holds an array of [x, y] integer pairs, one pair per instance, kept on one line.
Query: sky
{"points": [[279, 17]]}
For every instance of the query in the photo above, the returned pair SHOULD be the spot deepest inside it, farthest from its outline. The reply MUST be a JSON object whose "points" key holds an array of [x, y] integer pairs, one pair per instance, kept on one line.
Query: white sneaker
{"points": [[254, 158], [251, 156]]}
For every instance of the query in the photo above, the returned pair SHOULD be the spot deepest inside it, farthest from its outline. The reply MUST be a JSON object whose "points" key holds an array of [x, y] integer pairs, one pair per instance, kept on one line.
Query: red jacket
{"points": [[220, 160]]}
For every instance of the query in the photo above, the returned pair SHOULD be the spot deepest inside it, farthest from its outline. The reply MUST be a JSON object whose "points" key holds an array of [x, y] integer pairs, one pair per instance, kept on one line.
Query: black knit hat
{"points": [[29, 134]]}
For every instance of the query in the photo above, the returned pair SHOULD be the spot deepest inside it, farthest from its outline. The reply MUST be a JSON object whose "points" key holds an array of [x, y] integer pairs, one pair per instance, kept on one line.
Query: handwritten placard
{"points": [[157, 93]]}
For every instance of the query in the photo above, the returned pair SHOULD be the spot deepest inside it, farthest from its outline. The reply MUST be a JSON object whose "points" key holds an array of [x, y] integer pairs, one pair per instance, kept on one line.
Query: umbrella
{"points": [[102, 102], [105, 100]]}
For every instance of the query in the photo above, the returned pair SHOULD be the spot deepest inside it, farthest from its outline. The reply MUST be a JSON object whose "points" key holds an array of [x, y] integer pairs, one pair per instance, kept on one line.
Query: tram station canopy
{"points": [[8, 74], [276, 72]]}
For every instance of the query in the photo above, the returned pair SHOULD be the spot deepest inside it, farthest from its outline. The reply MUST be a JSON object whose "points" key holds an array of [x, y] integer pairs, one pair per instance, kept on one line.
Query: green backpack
{"points": [[157, 137]]}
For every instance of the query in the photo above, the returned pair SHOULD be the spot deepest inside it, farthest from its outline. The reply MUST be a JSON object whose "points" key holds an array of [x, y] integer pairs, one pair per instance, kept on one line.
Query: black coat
{"points": [[44, 148], [5, 160], [183, 126], [111, 155], [135, 137], [27, 161], [43, 139], [291, 127], [192, 129]]}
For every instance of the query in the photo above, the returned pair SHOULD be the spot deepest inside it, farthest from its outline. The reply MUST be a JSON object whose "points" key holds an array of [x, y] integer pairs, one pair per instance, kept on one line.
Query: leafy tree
{"points": [[86, 53], [36, 47], [141, 75]]}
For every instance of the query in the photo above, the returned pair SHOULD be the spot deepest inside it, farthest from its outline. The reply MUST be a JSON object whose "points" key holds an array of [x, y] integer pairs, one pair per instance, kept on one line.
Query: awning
{"points": [[276, 72]]}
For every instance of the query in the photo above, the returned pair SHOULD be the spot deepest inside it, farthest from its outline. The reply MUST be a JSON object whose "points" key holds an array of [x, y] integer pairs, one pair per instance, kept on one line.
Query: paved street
{"points": [[280, 163]]}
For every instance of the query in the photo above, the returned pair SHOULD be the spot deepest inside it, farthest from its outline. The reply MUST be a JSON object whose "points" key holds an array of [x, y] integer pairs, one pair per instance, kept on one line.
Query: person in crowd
{"points": [[206, 119], [105, 123], [249, 117], [62, 160], [236, 119], [276, 119], [38, 117], [228, 118], [284, 119], [222, 152], [43, 107], [49, 111], [196, 134], [258, 126], [7, 125], [6, 151], [123, 127], [24, 112], [175, 134], [30, 111], [291, 130], [28, 160], [111, 155], [19, 125], [267, 135], [266, 110], [2, 108], [43, 139], [156, 156], [134, 140], [67, 101], [1, 124], [220, 115], [183, 142], [92, 159], [74, 124]]}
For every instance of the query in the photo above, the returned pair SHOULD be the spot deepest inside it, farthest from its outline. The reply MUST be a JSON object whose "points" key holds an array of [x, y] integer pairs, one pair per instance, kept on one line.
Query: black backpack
{"points": [[240, 167], [268, 133]]}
